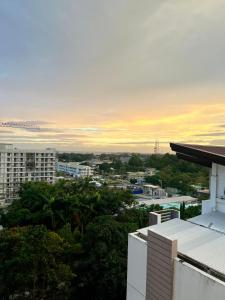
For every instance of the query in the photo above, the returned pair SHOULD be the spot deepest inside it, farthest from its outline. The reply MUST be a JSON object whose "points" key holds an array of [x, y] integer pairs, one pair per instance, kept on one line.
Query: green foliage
{"points": [[56, 231], [135, 163], [172, 172], [133, 180], [191, 211], [32, 264], [155, 179], [140, 216], [176, 173], [106, 262], [68, 157], [65, 229]]}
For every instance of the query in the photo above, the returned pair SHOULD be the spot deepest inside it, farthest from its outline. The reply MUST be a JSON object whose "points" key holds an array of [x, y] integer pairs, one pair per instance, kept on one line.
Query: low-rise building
{"points": [[75, 169], [172, 191], [150, 172], [135, 175], [181, 260], [154, 191], [18, 166]]}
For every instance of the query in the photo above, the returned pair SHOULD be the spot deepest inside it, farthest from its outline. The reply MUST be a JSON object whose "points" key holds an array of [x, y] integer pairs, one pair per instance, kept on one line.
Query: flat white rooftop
{"points": [[75, 165], [181, 199], [201, 244], [214, 220], [151, 186]]}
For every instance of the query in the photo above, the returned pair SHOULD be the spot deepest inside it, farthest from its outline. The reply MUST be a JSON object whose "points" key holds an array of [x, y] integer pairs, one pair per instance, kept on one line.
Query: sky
{"points": [[112, 75]]}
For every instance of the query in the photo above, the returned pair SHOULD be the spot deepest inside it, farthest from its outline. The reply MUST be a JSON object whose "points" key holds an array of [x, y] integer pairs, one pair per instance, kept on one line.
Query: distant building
{"points": [[174, 259], [140, 176], [172, 191], [96, 183], [75, 169], [18, 166], [135, 175], [96, 162], [150, 172], [154, 191]]}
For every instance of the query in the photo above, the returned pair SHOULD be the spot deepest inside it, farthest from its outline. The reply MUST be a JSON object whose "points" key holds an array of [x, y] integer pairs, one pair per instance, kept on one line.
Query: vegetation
{"points": [[67, 241], [172, 172], [190, 211], [67, 157], [32, 264]]}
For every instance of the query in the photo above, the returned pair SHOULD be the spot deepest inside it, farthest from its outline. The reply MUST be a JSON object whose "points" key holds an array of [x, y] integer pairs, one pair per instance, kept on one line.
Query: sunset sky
{"points": [[112, 75]]}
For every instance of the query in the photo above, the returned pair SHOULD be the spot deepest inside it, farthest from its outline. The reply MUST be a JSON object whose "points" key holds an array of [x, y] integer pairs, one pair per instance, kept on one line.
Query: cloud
{"points": [[94, 129], [61, 136], [5, 131], [26, 125], [217, 142], [139, 143], [211, 134], [119, 72], [44, 129]]}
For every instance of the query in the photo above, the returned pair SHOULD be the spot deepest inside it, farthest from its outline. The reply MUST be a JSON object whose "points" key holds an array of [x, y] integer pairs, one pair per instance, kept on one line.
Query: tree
{"points": [[31, 264], [135, 163], [155, 179], [105, 262]]}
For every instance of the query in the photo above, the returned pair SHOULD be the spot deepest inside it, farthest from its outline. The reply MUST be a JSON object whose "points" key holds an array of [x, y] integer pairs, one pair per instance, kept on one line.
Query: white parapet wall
{"points": [[207, 207], [137, 264], [192, 283]]}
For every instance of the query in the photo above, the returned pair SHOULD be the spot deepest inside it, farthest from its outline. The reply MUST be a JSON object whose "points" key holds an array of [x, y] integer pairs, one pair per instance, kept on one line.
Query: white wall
{"points": [[217, 187], [206, 206], [193, 284], [221, 181], [137, 264]]}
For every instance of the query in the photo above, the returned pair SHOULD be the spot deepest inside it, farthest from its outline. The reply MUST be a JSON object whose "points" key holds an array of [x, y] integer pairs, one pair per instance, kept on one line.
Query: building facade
{"points": [[18, 166], [75, 169], [174, 259], [154, 191]]}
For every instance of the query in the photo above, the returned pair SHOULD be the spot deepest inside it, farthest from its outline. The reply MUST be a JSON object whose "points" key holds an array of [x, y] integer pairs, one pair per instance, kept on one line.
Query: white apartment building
{"points": [[181, 260], [75, 169], [18, 166]]}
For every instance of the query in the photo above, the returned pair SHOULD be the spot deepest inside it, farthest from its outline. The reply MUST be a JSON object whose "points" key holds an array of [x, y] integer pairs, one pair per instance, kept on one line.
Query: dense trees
{"points": [[190, 211], [67, 241], [176, 173], [67, 157], [32, 264], [172, 172], [136, 163]]}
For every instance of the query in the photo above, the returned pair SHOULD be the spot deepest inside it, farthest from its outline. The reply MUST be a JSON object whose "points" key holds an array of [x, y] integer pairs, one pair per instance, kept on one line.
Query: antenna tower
{"points": [[156, 147]]}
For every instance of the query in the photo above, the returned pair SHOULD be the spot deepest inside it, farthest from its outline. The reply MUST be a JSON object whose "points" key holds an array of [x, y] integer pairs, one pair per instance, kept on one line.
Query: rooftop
{"points": [[203, 155], [180, 199], [151, 186], [214, 220], [195, 242], [74, 165]]}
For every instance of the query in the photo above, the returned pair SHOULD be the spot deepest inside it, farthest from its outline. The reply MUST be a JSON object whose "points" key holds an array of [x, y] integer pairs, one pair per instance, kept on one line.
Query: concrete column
{"points": [[161, 252], [154, 218], [213, 185]]}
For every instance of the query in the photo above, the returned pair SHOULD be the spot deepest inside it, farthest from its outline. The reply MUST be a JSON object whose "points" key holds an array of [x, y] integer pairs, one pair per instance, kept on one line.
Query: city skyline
{"points": [[112, 75]]}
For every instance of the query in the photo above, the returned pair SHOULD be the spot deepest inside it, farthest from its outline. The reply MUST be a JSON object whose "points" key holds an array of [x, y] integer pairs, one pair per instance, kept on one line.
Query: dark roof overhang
{"points": [[202, 155]]}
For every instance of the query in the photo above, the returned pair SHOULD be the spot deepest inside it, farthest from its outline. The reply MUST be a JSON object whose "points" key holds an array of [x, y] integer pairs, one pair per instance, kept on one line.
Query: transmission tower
{"points": [[156, 147]]}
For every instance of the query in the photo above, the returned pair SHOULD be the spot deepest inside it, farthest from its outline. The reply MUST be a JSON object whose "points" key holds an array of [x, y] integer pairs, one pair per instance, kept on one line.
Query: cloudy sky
{"points": [[112, 75]]}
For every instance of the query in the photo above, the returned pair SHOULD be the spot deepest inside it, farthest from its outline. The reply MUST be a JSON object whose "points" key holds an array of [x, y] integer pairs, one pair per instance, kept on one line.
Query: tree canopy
{"points": [[67, 241]]}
